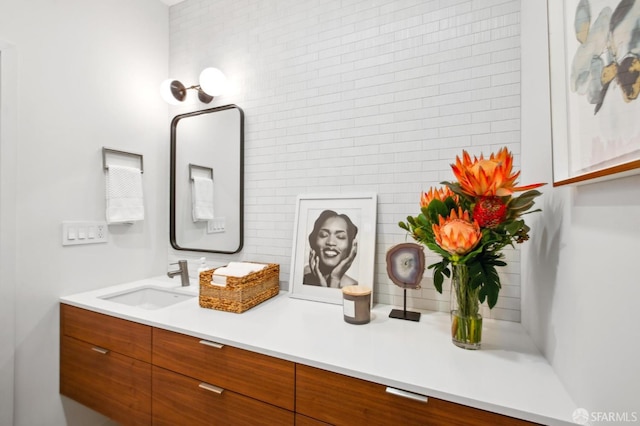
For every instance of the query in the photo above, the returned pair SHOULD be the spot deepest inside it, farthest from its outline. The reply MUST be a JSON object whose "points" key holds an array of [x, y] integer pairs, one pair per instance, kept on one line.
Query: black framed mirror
{"points": [[207, 180]]}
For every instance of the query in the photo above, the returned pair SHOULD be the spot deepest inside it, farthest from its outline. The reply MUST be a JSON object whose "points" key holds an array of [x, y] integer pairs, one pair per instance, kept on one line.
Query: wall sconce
{"points": [[212, 83]]}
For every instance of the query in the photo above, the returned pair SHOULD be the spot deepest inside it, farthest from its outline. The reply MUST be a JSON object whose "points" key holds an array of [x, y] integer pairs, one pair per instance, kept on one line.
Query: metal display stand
{"points": [[403, 313]]}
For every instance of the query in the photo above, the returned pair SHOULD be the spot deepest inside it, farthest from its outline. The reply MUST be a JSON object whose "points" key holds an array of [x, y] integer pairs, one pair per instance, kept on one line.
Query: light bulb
{"points": [[213, 81]]}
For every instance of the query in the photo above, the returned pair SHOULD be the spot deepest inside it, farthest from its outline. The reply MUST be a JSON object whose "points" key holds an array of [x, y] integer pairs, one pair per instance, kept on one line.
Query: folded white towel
{"points": [[235, 269], [247, 266], [202, 198], [125, 202]]}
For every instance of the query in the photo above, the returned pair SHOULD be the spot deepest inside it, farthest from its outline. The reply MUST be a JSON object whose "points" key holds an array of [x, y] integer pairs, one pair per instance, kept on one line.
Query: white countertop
{"points": [[508, 375]]}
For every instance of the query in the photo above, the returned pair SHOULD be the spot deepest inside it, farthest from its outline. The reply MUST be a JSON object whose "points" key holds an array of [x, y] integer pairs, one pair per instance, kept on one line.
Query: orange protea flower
{"points": [[457, 234], [488, 177], [436, 194]]}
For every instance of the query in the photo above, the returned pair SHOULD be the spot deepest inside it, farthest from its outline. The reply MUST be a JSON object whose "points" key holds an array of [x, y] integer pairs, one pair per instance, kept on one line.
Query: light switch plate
{"points": [[83, 232], [216, 225]]}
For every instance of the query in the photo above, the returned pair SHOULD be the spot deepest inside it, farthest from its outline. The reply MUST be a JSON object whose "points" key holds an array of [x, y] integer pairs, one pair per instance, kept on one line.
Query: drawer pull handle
{"points": [[211, 388], [212, 344], [100, 350], [409, 395]]}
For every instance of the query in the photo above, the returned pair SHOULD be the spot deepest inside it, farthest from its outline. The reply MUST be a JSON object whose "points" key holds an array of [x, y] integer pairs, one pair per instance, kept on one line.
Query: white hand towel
{"points": [[125, 202], [202, 198], [246, 267], [234, 269]]}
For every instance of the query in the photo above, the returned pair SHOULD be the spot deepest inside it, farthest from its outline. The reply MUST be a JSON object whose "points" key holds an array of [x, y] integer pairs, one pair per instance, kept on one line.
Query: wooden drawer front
{"points": [[343, 400], [113, 384], [258, 376], [118, 335], [181, 400]]}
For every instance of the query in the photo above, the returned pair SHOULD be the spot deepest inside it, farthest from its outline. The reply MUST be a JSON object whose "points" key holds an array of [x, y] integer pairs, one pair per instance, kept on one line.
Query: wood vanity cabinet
{"points": [[302, 420], [142, 375], [213, 384], [112, 366], [105, 364], [182, 400], [341, 400]]}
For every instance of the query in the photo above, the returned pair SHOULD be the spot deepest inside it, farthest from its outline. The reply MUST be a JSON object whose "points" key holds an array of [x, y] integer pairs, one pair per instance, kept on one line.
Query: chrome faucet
{"points": [[183, 271]]}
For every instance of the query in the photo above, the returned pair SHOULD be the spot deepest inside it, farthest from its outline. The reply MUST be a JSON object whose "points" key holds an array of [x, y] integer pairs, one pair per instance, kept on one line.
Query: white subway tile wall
{"points": [[348, 96]]}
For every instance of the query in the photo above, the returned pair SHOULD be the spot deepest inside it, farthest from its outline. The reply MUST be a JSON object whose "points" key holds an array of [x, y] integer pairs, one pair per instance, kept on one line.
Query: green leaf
{"points": [[532, 193], [532, 211], [440, 270], [514, 226], [484, 275], [455, 188], [525, 199], [438, 279], [437, 208], [491, 293], [451, 204], [437, 249], [521, 207], [422, 220]]}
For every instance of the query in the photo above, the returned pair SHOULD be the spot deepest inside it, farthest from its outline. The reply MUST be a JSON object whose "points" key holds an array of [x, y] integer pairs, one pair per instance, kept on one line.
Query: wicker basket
{"points": [[240, 293]]}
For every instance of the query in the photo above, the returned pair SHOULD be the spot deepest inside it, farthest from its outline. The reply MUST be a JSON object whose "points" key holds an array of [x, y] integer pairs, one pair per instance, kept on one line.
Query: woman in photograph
{"points": [[333, 249]]}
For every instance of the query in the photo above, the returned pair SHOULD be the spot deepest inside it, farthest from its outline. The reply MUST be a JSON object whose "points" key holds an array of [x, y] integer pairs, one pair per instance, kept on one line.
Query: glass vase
{"points": [[466, 321]]}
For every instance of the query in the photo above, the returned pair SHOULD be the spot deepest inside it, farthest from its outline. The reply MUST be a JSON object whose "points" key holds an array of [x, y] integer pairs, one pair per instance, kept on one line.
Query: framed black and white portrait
{"points": [[333, 245]]}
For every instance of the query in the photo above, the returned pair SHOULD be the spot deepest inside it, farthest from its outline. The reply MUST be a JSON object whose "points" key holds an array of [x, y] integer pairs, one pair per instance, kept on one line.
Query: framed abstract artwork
{"points": [[594, 59], [333, 245]]}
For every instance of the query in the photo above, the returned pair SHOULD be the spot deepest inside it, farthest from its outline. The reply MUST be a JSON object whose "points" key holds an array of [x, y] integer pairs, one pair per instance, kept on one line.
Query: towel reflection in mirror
{"points": [[333, 249], [202, 199]]}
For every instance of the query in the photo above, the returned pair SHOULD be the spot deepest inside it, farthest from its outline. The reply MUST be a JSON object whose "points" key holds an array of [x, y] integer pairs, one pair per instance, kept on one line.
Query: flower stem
{"points": [[466, 326]]}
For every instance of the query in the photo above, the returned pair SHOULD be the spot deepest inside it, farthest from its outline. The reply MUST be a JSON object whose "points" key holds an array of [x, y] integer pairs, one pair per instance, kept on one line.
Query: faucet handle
{"points": [[183, 271]]}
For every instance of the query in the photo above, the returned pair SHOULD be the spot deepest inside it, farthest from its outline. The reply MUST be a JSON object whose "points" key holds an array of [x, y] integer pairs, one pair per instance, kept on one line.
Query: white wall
{"points": [[87, 77], [357, 96], [580, 274], [8, 118]]}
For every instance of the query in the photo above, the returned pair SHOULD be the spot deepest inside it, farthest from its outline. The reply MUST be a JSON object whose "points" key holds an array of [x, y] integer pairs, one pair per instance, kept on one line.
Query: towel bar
{"points": [[106, 151], [193, 167]]}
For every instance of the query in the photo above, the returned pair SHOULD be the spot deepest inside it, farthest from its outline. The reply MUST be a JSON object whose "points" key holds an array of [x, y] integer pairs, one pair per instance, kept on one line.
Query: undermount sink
{"points": [[149, 297]]}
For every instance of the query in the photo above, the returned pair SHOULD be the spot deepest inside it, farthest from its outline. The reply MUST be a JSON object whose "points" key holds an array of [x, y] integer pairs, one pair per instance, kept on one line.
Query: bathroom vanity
{"points": [[186, 380], [292, 361]]}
